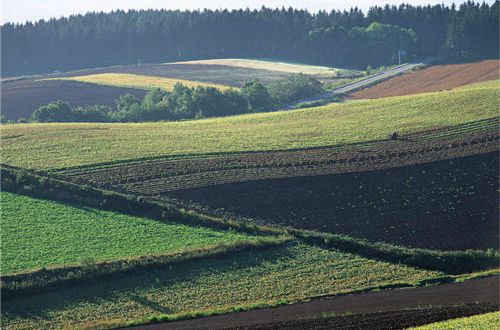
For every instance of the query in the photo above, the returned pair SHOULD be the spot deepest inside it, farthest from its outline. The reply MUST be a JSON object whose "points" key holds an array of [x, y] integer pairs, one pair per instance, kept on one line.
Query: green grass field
{"points": [[137, 81], [292, 271], [476, 322], [50, 146], [39, 233]]}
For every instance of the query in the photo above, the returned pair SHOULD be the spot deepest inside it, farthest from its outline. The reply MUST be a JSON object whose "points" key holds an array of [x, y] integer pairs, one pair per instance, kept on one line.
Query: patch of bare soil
{"points": [[21, 98], [433, 79]]}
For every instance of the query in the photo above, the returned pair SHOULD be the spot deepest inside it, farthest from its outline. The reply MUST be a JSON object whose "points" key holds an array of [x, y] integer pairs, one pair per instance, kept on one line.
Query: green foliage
{"points": [[46, 279], [57, 111], [290, 272], [125, 102], [4, 120], [185, 102], [119, 37], [257, 96], [376, 44], [294, 88], [60, 111], [472, 32], [39, 233], [91, 113]]}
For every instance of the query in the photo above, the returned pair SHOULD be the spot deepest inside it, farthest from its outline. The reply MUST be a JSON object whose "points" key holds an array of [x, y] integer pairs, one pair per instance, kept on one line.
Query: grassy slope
{"points": [[476, 322], [39, 233], [45, 146], [137, 81], [291, 271]]}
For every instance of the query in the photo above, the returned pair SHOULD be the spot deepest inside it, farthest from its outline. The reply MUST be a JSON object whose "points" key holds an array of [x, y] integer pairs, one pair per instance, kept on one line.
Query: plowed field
{"points": [[20, 98], [433, 189], [433, 79]]}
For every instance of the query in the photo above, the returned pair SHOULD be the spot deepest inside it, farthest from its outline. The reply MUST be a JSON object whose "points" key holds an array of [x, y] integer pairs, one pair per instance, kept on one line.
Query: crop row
{"points": [[156, 177]]}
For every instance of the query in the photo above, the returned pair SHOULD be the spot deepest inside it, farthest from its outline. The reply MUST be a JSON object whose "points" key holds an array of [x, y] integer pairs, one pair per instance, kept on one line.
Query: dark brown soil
{"points": [[445, 205], [20, 98], [433, 79], [389, 309], [388, 320]]}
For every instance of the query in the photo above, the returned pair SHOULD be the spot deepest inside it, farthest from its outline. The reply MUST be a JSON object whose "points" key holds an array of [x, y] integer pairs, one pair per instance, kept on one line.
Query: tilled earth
{"points": [[433, 79], [20, 98], [377, 321]]}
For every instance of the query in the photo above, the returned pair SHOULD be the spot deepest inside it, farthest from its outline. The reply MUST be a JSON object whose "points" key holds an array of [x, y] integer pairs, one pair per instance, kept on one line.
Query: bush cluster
{"points": [[187, 103], [449, 262]]}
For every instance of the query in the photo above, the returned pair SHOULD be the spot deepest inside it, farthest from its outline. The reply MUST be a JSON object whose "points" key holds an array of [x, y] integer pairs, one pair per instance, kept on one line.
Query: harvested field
{"points": [[20, 98], [128, 80], [269, 66], [216, 74], [425, 304], [433, 79]]}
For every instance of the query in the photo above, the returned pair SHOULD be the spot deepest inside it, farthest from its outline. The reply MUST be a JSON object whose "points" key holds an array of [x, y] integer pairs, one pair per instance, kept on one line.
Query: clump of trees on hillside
{"points": [[187, 102]]}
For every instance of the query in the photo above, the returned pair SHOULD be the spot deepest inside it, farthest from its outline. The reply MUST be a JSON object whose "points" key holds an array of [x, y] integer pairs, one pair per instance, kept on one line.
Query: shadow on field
{"points": [[133, 288], [158, 308]]}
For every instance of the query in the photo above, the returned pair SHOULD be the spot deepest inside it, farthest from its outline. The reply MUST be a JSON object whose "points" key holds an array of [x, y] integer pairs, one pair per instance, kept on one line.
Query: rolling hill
{"points": [[20, 97], [34, 145], [298, 204]]}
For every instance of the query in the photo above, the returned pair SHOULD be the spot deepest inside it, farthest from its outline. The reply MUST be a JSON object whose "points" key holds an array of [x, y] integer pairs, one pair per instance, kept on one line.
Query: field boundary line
{"points": [[451, 262], [40, 280]]}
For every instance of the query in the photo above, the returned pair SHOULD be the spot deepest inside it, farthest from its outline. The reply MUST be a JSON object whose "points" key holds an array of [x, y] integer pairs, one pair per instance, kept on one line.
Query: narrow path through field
{"points": [[479, 291]]}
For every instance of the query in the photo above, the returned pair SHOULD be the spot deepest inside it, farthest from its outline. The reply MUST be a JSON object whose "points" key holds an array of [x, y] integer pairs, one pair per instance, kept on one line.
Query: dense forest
{"points": [[337, 38]]}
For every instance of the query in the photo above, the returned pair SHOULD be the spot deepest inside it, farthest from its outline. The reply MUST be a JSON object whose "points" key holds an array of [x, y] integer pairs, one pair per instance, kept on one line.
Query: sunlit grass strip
{"points": [[129, 80], [52, 146], [476, 322]]}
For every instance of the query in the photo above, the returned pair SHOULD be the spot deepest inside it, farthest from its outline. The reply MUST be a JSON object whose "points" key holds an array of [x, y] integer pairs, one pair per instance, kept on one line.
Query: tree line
{"points": [[186, 102], [337, 38]]}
